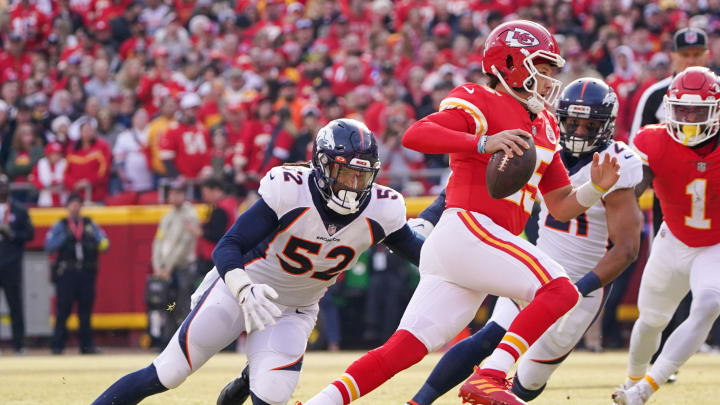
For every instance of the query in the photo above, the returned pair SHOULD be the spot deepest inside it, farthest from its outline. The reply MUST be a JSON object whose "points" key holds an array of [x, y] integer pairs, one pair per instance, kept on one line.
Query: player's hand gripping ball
{"points": [[512, 164]]}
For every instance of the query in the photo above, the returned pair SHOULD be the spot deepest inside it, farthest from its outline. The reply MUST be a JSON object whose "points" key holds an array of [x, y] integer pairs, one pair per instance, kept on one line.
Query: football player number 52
{"points": [[697, 189]]}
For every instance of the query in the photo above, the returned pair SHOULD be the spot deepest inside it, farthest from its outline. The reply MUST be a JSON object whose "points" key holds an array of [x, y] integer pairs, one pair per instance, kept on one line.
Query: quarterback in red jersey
{"points": [[185, 147], [474, 250], [682, 161]]}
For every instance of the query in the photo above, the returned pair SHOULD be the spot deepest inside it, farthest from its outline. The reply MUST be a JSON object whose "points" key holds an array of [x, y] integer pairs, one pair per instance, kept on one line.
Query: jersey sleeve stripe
{"points": [[532, 263], [478, 117], [640, 154]]}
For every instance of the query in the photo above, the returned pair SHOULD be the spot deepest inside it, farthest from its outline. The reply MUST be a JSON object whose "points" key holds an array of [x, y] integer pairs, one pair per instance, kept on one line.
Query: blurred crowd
{"points": [[112, 98]]}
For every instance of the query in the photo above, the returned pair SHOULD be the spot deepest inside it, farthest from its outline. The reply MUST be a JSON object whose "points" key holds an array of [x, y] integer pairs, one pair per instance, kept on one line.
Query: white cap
{"points": [[190, 100]]}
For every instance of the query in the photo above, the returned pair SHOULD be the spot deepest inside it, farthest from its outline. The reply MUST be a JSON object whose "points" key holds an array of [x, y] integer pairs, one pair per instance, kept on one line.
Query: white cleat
{"points": [[630, 396]]}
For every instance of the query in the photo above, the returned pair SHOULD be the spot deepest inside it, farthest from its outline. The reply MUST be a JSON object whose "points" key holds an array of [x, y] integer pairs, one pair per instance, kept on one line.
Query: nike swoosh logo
{"points": [[271, 176], [628, 156], [470, 91]]}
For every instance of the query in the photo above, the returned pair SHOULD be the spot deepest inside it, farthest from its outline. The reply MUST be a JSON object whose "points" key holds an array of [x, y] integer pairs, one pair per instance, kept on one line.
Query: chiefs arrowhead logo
{"points": [[520, 38]]}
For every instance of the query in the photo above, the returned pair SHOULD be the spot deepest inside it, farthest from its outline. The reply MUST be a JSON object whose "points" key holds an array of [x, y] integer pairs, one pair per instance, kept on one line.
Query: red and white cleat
{"points": [[488, 387]]}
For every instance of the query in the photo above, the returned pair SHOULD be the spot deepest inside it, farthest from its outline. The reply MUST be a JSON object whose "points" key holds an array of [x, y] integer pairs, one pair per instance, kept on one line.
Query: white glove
{"points": [[421, 226], [210, 277], [258, 310]]}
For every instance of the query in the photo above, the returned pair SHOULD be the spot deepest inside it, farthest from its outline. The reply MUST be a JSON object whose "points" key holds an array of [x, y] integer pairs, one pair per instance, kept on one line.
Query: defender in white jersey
{"points": [[586, 112], [275, 263]]}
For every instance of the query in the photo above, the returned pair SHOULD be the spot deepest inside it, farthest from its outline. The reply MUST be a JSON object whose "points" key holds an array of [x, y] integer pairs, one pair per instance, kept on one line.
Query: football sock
{"points": [[457, 364], [524, 393], [370, 371], [551, 301], [132, 388], [689, 336], [644, 342]]}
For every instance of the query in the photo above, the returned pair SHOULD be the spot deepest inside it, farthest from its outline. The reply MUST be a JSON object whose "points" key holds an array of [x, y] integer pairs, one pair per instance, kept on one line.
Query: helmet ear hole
{"points": [[509, 62]]}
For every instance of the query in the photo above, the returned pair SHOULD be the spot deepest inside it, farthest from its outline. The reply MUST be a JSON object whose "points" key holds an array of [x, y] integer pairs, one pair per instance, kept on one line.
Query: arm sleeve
{"points": [[100, 237], [433, 212], [555, 176], [447, 131], [251, 228], [406, 243], [55, 237]]}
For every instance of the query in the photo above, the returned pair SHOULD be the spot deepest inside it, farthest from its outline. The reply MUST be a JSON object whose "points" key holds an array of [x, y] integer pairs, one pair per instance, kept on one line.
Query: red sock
{"points": [[552, 301], [370, 371]]}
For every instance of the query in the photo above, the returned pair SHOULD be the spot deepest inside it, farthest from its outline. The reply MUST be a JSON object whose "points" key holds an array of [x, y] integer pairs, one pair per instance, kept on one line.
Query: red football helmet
{"points": [[691, 106], [511, 51]]}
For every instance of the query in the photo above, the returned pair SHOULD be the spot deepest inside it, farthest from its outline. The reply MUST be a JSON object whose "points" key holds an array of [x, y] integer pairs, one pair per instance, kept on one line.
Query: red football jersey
{"points": [[686, 183], [493, 112], [188, 146]]}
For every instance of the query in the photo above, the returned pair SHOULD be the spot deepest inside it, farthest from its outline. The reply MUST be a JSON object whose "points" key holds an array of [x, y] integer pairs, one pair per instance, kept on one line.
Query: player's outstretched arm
{"points": [[429, 217], [447, 131], [405, 243], [251, 228], [624, 222], [567, 202], [646, 182]]}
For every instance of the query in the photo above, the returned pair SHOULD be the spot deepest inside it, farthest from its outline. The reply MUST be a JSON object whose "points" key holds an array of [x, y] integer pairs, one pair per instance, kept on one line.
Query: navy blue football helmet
{"points": [[586, 112], [345, 162]]}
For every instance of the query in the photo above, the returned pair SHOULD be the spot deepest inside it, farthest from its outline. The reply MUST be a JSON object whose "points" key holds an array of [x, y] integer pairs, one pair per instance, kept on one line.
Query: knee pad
{"points": [[654, 319], [705, 304], [273, 389], [401, 351], [524, 393], [171, 377], [562, 293]]}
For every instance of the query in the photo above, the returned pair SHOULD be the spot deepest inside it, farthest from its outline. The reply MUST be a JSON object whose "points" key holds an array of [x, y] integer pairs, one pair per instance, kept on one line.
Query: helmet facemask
{"points": [[595, 133], [345, 185], [691, 120], [536, 102]]}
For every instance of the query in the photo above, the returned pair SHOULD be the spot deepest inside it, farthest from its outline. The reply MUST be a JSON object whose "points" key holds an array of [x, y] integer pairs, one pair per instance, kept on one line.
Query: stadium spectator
{"points": [[185, 147], [48, 176], [130, 156], [101, 84], [78, 241], [16, 229], [223, 210], [173, 257], [89, 160], [26, 150]]}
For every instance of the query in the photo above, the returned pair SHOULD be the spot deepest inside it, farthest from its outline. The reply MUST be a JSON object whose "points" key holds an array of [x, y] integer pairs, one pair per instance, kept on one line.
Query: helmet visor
{"points": [[352, 178]]}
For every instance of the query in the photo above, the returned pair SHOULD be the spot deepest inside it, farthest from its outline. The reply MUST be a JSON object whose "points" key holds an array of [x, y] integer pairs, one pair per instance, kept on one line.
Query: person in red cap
{"points": [[48, 176]]}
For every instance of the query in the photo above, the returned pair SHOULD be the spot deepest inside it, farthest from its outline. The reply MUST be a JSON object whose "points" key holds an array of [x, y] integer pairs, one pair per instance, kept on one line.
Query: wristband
{"points": [[598, 188], [589, 283], [588, 194], [481, 144]]}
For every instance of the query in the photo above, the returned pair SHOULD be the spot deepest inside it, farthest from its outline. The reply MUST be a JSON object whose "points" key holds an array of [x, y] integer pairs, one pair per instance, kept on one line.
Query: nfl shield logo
{"points": [[331, 229], [701, 166], [691, 37]]}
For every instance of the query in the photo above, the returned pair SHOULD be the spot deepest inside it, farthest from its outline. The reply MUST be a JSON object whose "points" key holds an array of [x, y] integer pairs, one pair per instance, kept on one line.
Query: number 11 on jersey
{"points": [[697, 189]]}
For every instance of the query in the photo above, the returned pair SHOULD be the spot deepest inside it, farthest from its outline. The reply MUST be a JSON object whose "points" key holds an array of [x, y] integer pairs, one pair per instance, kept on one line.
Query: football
{"points": [[505, 176]]}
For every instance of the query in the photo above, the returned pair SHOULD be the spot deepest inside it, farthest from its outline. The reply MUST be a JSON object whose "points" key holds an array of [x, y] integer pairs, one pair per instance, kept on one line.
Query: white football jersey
{"points": [[579, 244], [306, 254]]}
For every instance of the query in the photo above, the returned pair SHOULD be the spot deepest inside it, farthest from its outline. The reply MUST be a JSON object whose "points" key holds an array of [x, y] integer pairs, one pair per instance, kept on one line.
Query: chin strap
{"points": [[533, 104]]}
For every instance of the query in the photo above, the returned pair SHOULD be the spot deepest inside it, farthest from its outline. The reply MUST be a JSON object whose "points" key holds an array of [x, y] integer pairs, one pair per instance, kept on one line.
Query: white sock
{"points": [[328, 396], [499, 360]]}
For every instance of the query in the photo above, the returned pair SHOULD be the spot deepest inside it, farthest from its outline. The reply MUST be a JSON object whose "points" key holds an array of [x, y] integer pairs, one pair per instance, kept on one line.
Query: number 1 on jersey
{"points": [[697, 189]]}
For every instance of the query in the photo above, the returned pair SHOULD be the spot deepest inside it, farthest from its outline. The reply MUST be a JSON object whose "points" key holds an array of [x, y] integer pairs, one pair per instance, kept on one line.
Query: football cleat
{"points": [[488, 388], [237, 391], [636, 395]]}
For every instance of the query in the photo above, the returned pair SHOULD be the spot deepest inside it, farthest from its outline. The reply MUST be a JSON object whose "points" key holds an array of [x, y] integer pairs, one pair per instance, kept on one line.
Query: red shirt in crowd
{"points": [[154, 87], [15, 68], [264, 153], [188, 146], [31, 23], [92, 164]]}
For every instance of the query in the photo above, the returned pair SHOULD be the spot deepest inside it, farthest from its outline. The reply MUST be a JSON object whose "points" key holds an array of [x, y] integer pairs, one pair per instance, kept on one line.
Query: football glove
{"points": [[254, 300], [421, 226]]}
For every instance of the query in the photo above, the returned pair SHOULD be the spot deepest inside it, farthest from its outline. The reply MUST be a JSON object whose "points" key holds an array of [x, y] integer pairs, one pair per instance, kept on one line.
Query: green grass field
{"points": [[585, 378]]}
